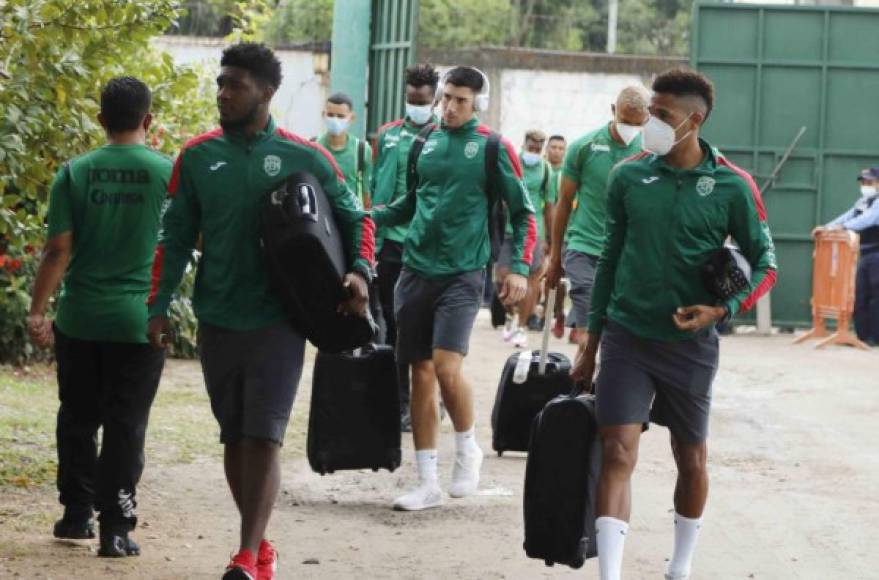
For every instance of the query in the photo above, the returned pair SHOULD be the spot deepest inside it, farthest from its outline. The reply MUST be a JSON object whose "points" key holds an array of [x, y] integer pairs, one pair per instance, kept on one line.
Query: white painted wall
{"points": [[569, 104], [299, 101]]}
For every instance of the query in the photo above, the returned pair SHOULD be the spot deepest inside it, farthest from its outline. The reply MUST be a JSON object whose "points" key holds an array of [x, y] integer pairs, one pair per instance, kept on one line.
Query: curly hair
{"points": [[423, 74], [686, 82], [257, 59]]}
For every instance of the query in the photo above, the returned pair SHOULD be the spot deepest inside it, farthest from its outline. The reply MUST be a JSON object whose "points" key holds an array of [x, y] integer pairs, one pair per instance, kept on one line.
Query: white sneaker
{"points": [[465, 474], [509, 329], [425, 496], [520, 338]]}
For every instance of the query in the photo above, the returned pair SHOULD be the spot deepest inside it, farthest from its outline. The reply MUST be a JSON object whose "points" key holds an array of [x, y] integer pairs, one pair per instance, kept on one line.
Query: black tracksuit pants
{"points": [[109, 385]]}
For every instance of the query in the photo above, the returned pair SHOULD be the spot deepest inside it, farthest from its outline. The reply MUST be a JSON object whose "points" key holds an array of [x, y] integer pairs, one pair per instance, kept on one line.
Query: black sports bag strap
{"points": [[496, 214], [412, 161]]}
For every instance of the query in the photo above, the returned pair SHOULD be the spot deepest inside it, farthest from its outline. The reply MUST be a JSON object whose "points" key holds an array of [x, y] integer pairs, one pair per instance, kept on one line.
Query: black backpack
{"points": [[497, 217]]}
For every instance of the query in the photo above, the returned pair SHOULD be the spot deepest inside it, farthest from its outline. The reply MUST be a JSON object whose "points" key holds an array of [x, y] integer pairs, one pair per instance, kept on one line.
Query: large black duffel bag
{"points": [[306, 263]]}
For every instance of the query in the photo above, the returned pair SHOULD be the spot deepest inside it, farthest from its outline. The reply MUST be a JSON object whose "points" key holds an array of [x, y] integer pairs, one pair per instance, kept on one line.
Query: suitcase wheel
{"points": [[549, 563], [500, 453]]}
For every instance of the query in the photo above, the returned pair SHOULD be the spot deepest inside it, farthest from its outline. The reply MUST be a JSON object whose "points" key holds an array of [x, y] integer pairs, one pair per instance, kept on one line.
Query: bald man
{"points": [[587, 164]]}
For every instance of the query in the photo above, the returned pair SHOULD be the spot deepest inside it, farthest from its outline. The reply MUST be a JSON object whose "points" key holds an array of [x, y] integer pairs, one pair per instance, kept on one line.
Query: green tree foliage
{"points": [[55, 55], [299, 21]]}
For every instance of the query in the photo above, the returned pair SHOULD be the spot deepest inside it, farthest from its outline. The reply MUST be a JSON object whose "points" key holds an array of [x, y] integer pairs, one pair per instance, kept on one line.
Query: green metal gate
{"points": [[392, 49], [776, 69]]}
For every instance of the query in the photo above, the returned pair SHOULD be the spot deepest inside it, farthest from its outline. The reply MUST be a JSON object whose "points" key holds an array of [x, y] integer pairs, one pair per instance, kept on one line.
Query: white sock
{"points": [[465, 441], [611, 537], [686, 534], [426, 460]]}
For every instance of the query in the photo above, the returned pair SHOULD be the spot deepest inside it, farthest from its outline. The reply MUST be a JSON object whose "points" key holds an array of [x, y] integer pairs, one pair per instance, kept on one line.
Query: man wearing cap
{"points": [[863, 219]]}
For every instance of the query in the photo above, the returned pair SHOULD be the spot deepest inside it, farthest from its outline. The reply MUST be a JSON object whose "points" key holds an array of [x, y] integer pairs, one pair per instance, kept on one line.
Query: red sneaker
{"points": [[242, 567], [267, 561], [558, 329]]}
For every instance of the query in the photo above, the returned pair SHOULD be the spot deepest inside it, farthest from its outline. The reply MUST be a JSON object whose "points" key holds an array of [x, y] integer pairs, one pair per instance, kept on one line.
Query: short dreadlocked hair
{"points": [[423, 74]]}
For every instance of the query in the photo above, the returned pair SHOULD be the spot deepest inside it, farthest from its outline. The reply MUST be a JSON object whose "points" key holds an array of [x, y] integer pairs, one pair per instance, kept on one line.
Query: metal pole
{"points": [[350, 55], [612, 12]]}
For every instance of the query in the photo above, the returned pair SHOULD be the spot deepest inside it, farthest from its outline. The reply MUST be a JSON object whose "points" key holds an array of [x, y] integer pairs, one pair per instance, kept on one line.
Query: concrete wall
{"points": [[558, 92], [299, 101]]}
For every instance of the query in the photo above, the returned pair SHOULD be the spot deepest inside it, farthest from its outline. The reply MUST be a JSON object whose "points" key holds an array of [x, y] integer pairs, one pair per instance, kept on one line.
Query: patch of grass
{"points": [[28, 406]]}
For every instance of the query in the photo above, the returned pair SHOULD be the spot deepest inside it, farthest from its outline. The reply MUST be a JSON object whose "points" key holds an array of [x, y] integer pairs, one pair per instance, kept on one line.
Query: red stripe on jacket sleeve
{"points": [[755, 191], [156, 276], [761, 289], [367, 241], [367, 231], [530, 240], [771, 277]]}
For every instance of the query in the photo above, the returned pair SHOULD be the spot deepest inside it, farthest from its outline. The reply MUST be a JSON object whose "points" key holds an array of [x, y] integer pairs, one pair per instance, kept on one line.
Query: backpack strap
{"points": [[496, 212], [546, 173], [412, 161]]}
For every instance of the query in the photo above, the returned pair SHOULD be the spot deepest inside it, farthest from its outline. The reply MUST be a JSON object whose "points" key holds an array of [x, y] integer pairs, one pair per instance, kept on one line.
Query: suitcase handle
{"points": [[547, 312], [307, 200]]}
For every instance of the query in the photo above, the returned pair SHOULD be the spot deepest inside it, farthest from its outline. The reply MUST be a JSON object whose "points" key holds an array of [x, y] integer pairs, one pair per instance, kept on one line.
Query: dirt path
{"points": [[793, 492]]}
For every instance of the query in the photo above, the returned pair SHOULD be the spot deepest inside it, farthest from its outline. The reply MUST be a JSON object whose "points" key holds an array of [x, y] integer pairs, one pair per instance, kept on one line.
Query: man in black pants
{"points": [[389, 183], [107, 373]]}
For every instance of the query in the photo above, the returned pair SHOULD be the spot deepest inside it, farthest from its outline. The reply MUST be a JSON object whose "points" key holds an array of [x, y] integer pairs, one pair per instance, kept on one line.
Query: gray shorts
{"points": [[251, 378], [505, 255], [580, 270], [668, 383], [435, 313]]}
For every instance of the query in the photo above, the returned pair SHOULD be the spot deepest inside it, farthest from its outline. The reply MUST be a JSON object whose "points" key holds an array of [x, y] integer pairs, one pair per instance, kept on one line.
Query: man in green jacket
{"points": [[389, 184], [353, 155], [444, 258], [104, 210], [251, 355], [668, 210]]}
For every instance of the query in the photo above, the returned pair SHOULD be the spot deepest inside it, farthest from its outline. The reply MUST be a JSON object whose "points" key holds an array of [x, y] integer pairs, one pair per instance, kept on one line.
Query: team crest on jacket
{"points": [[272, 165], [705, 186], [471, 149]]}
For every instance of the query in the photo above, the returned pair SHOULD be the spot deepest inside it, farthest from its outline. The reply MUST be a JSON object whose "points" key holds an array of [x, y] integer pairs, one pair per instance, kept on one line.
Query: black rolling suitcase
{"points": [[355, 411], [561, 476], [522, 393], [305, 259]]}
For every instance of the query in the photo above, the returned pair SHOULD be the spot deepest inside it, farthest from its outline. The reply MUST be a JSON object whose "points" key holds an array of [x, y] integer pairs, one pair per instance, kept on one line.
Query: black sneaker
{"points": [[75, 525], [117, 544]]}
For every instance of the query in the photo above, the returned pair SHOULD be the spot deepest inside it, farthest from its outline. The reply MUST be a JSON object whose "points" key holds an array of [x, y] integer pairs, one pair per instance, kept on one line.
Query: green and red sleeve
{"points": [[518, 201], [750, 229], [181, 219]]}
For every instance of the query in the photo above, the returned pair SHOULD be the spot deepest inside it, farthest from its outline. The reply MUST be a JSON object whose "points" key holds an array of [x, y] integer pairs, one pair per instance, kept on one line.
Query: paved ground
{"points": [[793, 492]]}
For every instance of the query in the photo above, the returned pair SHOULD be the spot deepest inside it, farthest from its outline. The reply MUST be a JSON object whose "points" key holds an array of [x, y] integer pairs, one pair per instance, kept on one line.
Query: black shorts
{"points": [[668, 383], [436, 313], [251, 377]]}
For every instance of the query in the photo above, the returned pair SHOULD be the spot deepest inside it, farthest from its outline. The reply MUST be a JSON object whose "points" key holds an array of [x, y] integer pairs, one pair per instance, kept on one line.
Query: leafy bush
{"points": [[55, 55]]}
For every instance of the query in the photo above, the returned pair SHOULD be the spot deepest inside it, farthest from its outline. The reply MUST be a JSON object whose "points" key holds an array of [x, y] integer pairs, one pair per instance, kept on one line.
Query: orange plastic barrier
{"points": [[833, 287]]}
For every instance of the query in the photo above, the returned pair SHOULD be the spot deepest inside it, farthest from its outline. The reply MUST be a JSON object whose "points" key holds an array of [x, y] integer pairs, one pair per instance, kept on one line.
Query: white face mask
{"points": [[530, 159], [868, 190], [337, 126], [627, 132], [419, 114], [659, 136]]}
